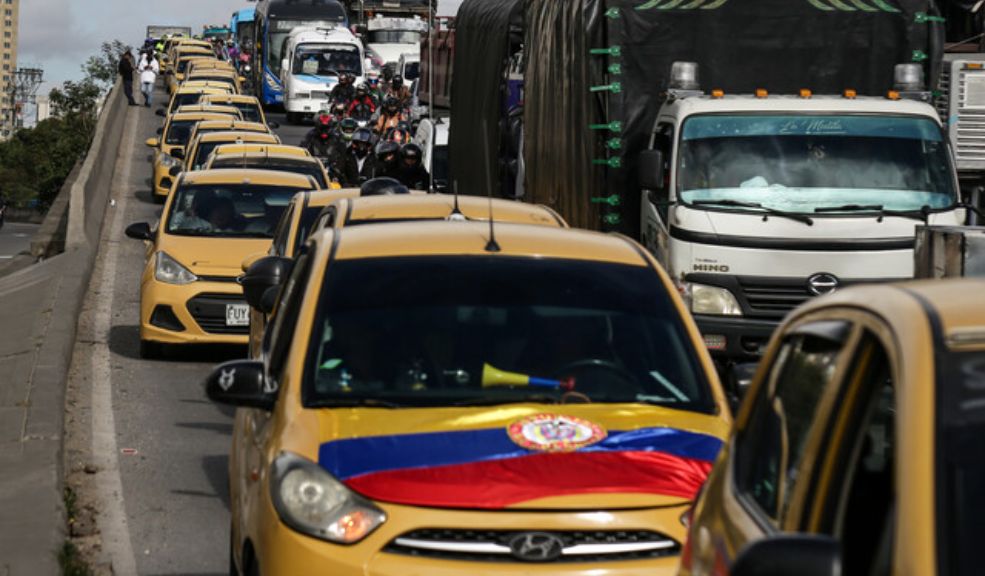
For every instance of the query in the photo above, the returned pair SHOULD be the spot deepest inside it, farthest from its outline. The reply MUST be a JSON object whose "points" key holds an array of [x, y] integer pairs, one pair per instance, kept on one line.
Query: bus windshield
{"points": [[804, 164]]}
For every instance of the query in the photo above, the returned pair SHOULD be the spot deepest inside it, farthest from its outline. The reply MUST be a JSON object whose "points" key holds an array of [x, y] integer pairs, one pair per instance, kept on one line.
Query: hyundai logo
{"points": [[821, 284], [536, 547]]}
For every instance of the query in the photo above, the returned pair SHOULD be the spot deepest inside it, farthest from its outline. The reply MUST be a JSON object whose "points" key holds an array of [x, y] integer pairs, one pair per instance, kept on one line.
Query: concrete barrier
{"points": [[39, 309]]}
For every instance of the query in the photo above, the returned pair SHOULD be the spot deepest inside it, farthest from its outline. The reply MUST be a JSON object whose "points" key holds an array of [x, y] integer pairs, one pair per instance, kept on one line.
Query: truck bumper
{"points": [[735, 339]]}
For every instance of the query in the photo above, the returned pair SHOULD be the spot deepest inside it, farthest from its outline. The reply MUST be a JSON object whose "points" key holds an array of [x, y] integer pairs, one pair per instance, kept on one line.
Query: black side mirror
{"points": [[178, 153], [265, 274], [651, 169], [738, 380], [139, 231], [790, 555], [241, 383], [161, 112], [273, 125]]}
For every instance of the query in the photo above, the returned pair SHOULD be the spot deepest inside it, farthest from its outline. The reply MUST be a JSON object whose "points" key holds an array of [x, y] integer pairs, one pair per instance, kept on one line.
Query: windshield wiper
{"points": [[767, 211], [353, 403], [922, 213]]}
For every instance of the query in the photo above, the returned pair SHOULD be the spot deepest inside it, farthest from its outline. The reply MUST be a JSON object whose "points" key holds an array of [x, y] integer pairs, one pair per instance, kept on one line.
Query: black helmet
{"points": [[411, 152], [391, 103], [387, 148], [387, 73], [347, 78], [349, 126], [398, 80], [362, 136], [382, 187]]}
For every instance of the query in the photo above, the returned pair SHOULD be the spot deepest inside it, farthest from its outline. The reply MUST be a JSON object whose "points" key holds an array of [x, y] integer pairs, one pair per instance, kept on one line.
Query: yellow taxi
{"points": [[227, 125], [190, 95], [211, 221], [209, 64], [182, 57], [169, 148], [199, 148], [278, 162], [226, 111], [858, 448], [431, 400], [252, 148], [230, 77], [353, 210], [248, 105]]}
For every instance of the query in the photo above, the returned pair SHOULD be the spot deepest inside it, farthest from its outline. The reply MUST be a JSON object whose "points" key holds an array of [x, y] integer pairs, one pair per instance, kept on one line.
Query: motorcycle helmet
{"points": [[411, 154], [398, 81], [348, 127], [391, 104], [382, 186], [387, 151]]}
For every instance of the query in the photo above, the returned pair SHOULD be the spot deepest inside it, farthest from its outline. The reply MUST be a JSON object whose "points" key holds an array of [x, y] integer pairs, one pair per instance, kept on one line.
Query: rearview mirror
{"points": [[651, 169], [240, 383], [790, 555], [152, 142], [139, 231], [264, 274]]}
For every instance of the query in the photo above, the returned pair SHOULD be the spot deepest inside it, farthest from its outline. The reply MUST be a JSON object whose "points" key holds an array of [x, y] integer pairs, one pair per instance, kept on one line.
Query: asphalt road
{"points": [[169, 443], [15, 237]]}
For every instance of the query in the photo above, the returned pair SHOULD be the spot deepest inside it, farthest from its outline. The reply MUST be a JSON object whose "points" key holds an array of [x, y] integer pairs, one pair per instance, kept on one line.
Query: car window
{"points": [[281, 331], [770, 447], [282, 231]]}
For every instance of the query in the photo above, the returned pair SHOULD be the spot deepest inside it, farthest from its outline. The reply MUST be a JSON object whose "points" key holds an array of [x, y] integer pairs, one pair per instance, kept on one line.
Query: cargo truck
{"points": [[392, 28], [158, 32]]}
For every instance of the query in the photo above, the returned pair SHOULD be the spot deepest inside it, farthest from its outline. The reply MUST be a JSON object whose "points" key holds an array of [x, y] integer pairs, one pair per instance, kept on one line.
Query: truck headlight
{"points": [[311, 501], [169, 271], [713, 300]]}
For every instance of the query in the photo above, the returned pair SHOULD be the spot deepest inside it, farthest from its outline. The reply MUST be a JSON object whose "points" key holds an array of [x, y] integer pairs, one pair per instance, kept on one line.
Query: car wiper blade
{"points": [[520, 399], [354, 402], [757, 206], [851, 208]]}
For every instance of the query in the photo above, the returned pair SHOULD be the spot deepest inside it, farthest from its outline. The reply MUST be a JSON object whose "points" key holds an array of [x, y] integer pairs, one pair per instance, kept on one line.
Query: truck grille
{"points": [[209, 312], [774, 297], [507, 545]]}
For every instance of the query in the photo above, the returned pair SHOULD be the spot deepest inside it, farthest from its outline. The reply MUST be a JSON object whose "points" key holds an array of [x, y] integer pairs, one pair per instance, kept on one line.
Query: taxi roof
{"points": [[184, 52], [234, 157], [440, 206], [260, 148], [232, 136], [232, 124], [211, 108], [200, 116], [211, 72], [322, 198], [202, 87], [240, 176], [400, 239], [233, 98]]}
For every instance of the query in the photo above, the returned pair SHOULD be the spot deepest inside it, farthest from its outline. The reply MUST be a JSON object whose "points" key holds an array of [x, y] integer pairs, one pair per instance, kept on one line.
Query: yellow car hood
{"points": [[580, 456], [212, 256]]}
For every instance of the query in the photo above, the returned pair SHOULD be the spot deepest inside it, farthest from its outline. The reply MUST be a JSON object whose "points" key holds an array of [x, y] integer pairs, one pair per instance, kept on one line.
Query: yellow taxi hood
{"points": [[536, 456], [212, 256]]}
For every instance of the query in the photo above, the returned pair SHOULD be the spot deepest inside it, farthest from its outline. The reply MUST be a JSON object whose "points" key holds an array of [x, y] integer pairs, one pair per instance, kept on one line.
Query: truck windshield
{"points": [[962, 463], [278, 32], [805, 163], [395, 37], [325, 59], [476, 330]]}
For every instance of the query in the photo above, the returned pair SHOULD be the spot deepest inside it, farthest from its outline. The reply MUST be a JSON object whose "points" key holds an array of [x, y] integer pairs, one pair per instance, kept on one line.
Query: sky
{"points": [[60, 35]]}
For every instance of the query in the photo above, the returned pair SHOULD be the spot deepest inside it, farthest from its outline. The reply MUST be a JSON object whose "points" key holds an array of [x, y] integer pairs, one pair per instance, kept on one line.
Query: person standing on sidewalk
{"points": [[126, 75], [149, 69]]}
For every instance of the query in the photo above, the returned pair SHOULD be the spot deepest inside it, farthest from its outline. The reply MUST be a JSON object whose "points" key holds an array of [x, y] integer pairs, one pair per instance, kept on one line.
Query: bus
{"points": [[242, 27], [274, 21]]}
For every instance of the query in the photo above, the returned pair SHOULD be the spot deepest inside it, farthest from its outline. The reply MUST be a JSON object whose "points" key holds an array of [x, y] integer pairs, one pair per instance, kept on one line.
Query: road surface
{"points": [[15, 237]]}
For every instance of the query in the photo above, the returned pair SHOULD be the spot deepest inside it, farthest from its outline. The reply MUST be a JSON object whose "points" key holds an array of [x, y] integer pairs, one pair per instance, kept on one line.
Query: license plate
{"points": [[237, 315]]}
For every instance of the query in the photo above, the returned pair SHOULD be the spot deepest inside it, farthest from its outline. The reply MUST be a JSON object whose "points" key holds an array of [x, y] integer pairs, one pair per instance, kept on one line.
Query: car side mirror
{"points": [[152, 142], [161, 112], [738, 381], [651, 169], [790, 555], [273, 124], [264, 274], [178, 153], [139, 231], [174, 171], [241, 383]]}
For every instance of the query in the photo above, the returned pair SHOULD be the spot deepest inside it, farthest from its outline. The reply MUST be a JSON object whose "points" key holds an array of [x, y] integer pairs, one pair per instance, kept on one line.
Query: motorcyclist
{"points": [[376, 90], [359, 164], [388, 159], [412, 173], [344, 91], [318, 141], [399, 91], [390, 116], [362, 106]]}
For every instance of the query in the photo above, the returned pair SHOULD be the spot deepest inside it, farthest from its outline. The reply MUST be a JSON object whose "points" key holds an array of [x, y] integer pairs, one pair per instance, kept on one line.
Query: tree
{"points": [[77, 102], [102, 68]]}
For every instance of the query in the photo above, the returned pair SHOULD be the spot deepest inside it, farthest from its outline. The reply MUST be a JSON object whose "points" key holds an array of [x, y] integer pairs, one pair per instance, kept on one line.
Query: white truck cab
{"points": [[391, 37], [313, 60], [756, 203]]}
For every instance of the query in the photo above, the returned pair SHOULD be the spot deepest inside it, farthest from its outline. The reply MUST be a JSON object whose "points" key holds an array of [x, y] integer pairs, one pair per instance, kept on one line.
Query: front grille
{"points": [[502, 545], [319, 95], [774, 296], [209, 312]]}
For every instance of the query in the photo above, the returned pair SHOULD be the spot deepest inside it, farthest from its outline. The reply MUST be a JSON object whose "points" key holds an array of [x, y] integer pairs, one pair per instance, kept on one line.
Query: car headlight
{"points": [[311, 501], [712, 300], [168, 161], [169, 271]]}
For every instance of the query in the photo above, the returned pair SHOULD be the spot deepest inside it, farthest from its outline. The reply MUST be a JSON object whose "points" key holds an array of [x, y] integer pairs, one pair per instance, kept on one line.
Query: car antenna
{"points": [[456, 213], [492, 245]]}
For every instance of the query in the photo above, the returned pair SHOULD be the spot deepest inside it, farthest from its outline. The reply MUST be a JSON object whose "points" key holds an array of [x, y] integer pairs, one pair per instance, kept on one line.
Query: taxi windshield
{"points": [[179, 131], [962, 463], [468, 331], [251, 112], [809, 164], [312, 169], [228, 210]]}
